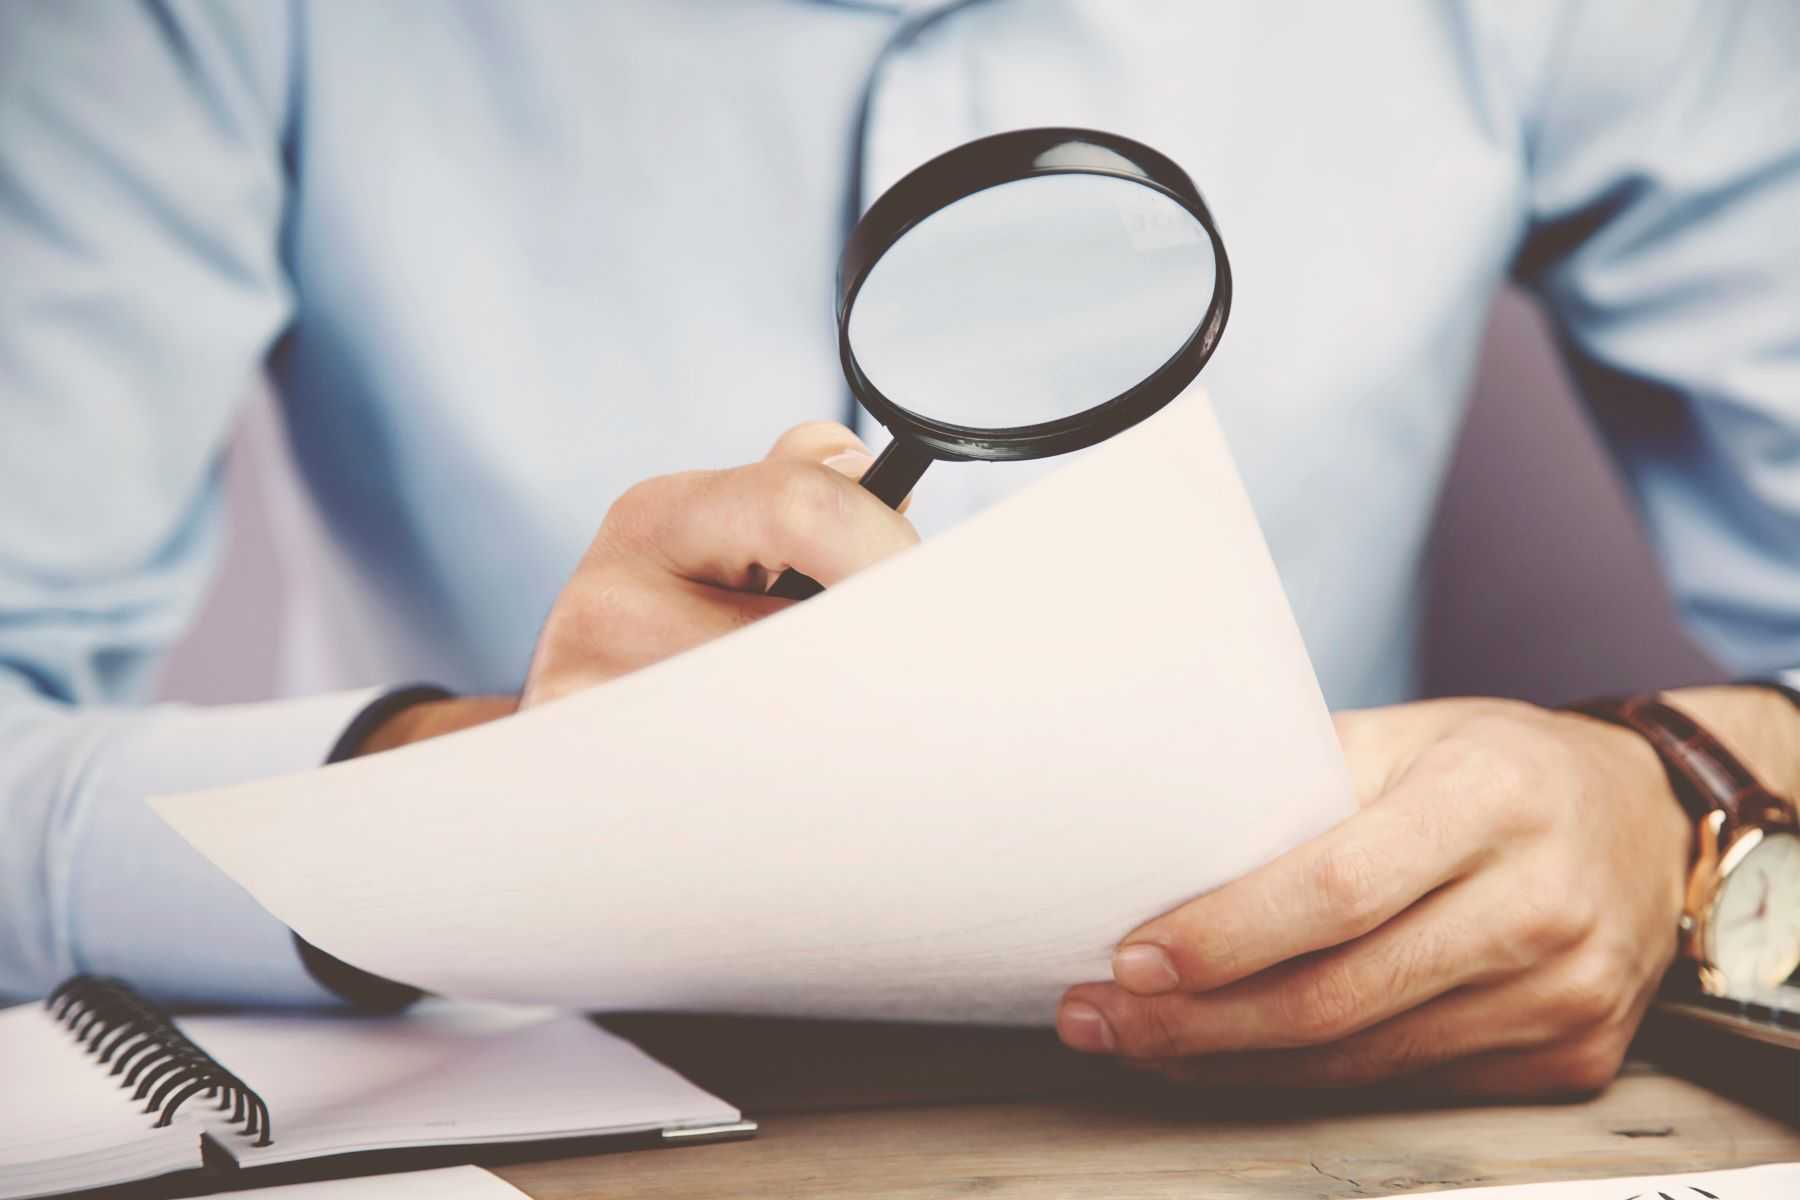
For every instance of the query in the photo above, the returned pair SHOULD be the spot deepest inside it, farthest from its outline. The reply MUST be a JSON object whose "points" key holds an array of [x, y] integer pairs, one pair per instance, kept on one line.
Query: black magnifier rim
{"points": [[988, 162]]}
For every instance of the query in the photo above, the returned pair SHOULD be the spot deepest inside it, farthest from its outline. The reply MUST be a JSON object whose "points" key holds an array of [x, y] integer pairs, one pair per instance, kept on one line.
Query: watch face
{"points": [[1754, 935]]}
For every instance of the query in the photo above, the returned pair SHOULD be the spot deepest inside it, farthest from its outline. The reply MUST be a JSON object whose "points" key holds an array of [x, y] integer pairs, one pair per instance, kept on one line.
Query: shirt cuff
{"points": [[144, 905]]}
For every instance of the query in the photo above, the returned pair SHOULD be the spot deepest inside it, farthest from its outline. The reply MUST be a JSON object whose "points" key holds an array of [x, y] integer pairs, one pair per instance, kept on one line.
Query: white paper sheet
{"points": [[1776, 1181], [940, 791], [449, 1183]]}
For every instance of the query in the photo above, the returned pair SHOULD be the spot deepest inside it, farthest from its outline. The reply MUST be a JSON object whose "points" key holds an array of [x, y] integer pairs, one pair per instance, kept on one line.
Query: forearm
{"points": [[95, 882]]}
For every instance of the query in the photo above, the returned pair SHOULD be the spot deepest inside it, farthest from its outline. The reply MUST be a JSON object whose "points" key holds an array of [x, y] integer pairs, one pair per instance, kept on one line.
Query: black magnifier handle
{"points": [[891, 478]]}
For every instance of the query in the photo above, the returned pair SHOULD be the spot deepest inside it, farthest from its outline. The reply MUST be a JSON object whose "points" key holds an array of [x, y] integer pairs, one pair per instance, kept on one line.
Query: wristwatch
{"points": [[1740, 923]]}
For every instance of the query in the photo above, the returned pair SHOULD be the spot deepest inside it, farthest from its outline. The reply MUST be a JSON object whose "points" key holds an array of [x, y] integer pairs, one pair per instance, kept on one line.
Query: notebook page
{"points": [[65, 1123], [443, 1074], [942, 790]]}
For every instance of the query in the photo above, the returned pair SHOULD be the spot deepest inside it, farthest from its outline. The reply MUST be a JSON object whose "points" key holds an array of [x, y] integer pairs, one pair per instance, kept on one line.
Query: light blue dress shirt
{"points": [[503, 259]]}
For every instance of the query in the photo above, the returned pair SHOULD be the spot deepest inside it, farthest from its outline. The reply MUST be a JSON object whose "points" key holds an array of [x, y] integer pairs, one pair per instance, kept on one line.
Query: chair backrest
{"points": [[1541, 586]]}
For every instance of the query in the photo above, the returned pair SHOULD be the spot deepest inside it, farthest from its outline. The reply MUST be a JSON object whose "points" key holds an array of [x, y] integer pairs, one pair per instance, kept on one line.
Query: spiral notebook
{"points": [[101, 1088]]}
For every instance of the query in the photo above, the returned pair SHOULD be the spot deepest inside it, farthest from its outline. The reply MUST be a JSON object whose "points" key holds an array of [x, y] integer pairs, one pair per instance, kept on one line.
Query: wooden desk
{"points": [[895, 1112]]}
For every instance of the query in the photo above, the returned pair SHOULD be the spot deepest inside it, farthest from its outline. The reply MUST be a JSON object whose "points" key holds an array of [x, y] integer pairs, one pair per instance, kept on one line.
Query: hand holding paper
{"points": [[940, 791]]}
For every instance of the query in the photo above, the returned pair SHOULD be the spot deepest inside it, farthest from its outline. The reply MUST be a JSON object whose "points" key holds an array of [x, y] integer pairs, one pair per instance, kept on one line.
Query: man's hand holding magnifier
{"points": [[682, 559]]}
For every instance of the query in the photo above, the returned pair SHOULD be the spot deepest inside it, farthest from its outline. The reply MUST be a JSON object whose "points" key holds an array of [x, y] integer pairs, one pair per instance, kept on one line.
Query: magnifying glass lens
{"points": [[1026, 294], [1032, 301]]}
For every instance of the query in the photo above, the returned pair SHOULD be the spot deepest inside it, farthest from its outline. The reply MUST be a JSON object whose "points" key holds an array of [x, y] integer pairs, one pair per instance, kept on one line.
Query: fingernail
{"points": [[1082, 1027], [1144, 969], [852, 463]]}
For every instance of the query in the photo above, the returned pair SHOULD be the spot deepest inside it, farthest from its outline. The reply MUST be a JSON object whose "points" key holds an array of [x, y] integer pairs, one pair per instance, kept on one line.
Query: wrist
{"points": [[1634, 784], [1729, 756], [1757, 724], [432, 718], [1634, 774]]}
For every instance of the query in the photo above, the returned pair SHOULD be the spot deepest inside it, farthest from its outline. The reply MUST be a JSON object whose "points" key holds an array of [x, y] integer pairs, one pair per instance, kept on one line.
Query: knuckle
{"points": [[1142, 1030], [1586, 1065], [1345, 877], [600, 608], [1546, 930], [804, 498], [1578, 916], [1211, 956], [598, 614], [1551, 920], [1487, 760], [1588, 994], [637, 504], [1321, 1006], [640, 518], [1515, 781], [1417, 959]]}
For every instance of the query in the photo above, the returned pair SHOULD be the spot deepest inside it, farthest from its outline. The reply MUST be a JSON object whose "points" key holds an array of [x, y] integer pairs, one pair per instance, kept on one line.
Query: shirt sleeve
{"points": [[1664, 179], [141, 190]]}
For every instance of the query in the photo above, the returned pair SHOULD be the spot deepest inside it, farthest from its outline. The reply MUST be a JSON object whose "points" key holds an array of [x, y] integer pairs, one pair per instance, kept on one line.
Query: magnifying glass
{"points": [[1021, 296]]}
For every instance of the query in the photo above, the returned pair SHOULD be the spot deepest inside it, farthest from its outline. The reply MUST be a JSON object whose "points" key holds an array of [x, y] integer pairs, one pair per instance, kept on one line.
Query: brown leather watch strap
{"points": [[1705, 776]]}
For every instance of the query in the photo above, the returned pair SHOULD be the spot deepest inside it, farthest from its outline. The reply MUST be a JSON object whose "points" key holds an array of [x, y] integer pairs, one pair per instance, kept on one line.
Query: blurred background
{"points": [[1541, 585]]}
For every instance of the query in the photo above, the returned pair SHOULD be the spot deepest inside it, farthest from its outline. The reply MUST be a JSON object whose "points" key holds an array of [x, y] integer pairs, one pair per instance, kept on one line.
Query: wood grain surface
{"points": [[914, 1112]]}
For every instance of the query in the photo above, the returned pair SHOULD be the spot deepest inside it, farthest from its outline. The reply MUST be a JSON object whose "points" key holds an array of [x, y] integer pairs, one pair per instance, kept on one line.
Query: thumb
{"points": [[817, 441], [854, 464], [834, 445], [851, 464]]}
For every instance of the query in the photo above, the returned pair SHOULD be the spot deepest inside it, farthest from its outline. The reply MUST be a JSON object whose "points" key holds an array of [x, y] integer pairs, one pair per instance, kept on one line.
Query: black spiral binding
{"points": [[141, 1043]]}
